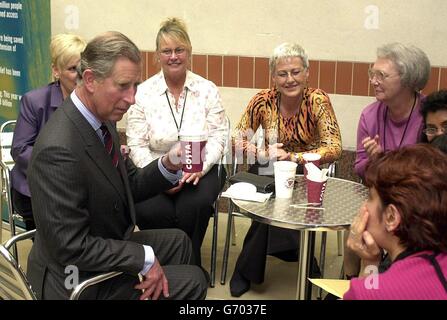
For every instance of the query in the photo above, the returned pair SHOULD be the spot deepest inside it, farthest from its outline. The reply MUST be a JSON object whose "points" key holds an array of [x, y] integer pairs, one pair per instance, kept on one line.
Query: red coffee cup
{"points": [[315, 191], [311, 157], [193, 151]]}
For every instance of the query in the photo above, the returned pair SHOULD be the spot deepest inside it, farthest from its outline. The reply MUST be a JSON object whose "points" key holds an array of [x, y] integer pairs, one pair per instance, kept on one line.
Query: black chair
{"points": [[221, 176]]}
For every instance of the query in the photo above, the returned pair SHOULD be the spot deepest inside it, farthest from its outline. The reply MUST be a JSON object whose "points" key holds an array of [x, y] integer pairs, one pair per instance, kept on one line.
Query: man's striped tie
{"points": [[109, 145]]}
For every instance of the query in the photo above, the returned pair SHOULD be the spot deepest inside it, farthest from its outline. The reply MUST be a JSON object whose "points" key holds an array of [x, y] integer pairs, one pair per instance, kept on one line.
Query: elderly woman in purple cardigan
{"points": [[394, 120]]}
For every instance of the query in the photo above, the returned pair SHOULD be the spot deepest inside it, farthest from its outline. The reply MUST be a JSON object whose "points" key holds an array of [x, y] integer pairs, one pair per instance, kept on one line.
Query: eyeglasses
{"points": [[431, 131], [177, 51], [379, 75], [283, 75]]}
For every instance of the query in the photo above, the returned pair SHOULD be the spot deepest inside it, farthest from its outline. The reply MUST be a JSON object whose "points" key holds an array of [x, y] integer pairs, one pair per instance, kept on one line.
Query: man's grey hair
{"points": [[101, 53]]}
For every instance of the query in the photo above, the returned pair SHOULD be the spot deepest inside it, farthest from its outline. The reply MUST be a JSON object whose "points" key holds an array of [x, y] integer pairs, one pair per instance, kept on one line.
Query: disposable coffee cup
{"points": [[311, 157], [193, 150], [284, 178], [315, 191]]}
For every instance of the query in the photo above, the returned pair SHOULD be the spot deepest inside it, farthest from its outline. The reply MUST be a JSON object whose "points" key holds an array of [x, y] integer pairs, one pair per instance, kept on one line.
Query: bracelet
{"points": [[298, 158]]}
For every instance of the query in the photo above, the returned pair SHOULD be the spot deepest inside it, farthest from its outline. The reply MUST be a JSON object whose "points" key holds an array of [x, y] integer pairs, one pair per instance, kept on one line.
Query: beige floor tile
{"points": [[280, 278]]}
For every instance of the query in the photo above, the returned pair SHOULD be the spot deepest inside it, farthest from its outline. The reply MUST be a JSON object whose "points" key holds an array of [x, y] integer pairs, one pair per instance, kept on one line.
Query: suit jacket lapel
{"points": [[95, 148]]}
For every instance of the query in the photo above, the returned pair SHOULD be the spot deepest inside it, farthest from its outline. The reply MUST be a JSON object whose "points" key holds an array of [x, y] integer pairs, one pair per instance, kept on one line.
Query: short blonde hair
{"points": [[288, 50], [64, 47], [175, 29]]}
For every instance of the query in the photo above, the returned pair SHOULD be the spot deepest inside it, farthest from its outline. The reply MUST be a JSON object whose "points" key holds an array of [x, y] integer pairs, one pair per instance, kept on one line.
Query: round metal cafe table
{"points": [[341, 202]]}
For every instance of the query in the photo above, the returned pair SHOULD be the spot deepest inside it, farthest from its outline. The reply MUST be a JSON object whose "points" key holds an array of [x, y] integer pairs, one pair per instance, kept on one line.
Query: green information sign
{"points": [[25, 32]]}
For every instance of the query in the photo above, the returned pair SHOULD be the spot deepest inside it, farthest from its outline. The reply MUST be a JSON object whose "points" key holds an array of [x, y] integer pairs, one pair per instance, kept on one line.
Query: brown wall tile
{"points": [[230, 71], [343, 82], [372, 92], [246, 72], [314, 71], [152, 68], [360, 81], [143, 65], [262, 74], [215, 68], [327, 76], [199, 65], [253, 72], [433, 81], [443, 80]]}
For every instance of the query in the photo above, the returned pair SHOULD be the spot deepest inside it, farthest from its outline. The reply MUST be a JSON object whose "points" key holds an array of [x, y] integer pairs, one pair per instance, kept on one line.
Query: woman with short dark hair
{"points": [[434, 112]]}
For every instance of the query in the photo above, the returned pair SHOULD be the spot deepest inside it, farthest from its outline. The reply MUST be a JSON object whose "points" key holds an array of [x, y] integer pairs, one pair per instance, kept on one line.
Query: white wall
{"points": [[328, 29]]}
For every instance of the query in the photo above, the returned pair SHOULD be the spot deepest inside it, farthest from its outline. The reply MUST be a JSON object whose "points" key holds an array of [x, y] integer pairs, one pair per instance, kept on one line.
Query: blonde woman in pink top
{"points": [[405, 216]]}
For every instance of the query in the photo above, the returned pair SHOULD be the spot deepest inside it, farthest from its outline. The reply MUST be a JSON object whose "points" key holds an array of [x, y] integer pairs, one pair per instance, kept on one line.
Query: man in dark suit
{"points": [[83, 193]]}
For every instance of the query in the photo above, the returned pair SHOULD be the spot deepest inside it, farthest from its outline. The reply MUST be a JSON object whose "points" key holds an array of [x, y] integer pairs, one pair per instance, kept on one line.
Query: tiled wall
{"points": [[339, 77]]}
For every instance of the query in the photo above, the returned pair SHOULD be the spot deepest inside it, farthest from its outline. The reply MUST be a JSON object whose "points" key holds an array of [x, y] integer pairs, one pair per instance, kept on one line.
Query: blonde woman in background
{"points": [[36, 107]]}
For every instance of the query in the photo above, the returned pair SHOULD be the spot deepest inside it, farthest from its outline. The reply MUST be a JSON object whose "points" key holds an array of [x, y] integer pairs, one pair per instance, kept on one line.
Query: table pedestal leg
{"points": [[302, 266], [310, 264]]}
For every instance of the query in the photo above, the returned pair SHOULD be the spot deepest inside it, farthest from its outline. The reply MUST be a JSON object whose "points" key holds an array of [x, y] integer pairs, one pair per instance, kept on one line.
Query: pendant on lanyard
{"points": [[172, 112]]}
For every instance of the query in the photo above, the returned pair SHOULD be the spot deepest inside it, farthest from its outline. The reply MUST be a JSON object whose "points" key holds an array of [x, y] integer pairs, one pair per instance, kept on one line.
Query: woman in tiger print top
{"points": [[310, 125], [307, 123]]}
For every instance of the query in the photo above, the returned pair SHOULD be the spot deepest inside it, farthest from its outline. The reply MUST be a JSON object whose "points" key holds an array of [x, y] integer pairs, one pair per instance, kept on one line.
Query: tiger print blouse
{"points": [[313, 129]]}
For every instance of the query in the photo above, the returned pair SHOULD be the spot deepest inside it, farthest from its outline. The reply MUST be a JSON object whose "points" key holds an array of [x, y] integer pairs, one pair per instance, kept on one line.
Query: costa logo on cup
{"points": [[188, 157], [193, 146], [289, 183]]}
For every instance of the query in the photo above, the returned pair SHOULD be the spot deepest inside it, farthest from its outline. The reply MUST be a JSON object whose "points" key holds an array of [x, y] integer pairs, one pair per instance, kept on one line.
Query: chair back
{"points": [[13, 282], [6, 135], [6, 163]]}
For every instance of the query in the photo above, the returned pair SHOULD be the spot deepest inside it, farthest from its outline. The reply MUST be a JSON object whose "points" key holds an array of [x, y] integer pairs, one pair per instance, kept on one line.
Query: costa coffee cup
{"points": [[193, 150], [311, 157], [284, 178], [315, 191]]}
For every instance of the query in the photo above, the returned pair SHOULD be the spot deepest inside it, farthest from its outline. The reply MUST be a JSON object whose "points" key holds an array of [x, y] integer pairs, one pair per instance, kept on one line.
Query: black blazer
{"points": [[83, 208]]}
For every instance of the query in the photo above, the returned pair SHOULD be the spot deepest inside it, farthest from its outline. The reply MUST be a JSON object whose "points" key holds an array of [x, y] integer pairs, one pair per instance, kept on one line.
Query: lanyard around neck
{"points": [[172, 112]]}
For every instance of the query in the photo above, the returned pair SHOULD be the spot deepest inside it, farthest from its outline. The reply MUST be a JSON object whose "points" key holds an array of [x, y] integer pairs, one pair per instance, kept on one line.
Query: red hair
{"points": [[413, 179]]}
